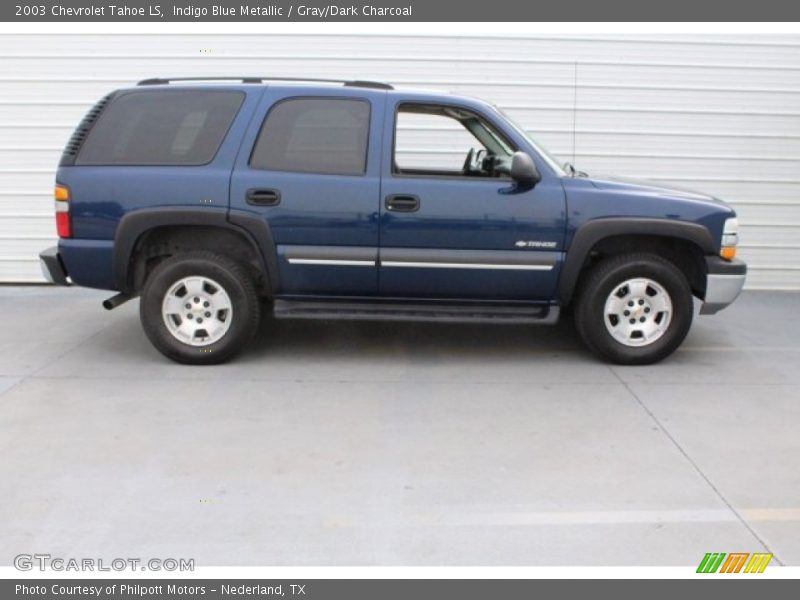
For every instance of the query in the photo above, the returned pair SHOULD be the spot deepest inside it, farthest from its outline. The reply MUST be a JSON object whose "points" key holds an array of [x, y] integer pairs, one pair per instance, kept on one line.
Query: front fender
{"points": [[590, 233]]}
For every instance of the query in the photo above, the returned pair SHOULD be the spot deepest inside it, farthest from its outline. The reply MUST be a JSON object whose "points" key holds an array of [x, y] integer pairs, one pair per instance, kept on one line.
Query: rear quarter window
{"points": [[175, 127]]}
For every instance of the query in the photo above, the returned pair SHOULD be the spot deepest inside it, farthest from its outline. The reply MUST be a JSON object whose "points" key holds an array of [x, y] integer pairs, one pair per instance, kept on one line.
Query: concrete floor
{"points": [[375, 443]]}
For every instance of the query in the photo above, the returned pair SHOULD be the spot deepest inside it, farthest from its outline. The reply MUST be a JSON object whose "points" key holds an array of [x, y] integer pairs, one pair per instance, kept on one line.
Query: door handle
{"points": [[402, 203], [263, 197]]}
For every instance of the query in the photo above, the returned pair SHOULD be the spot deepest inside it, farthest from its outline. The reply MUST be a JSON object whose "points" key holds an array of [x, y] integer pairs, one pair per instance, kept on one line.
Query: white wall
{"points": [[717, 113]]}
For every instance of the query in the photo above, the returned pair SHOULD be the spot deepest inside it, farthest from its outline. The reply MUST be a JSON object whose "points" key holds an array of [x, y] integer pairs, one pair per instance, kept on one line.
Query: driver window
{"points": [[438, 140]]}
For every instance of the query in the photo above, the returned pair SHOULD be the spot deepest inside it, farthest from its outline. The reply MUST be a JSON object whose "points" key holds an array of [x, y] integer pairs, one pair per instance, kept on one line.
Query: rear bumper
{"points": [[52, 267], [724, 282]]}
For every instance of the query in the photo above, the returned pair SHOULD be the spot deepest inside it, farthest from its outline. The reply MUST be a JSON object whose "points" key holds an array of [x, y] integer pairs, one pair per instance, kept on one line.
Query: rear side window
{"points": [[314, 135], [177, 127]]}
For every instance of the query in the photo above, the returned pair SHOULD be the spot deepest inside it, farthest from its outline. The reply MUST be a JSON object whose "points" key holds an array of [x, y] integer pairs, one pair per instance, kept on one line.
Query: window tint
{"points": [[314, 135], [176, 127]]}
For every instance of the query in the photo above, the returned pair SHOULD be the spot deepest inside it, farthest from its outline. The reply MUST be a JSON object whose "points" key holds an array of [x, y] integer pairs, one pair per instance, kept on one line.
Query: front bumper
{"points": [[52, 267], [724, 282]]}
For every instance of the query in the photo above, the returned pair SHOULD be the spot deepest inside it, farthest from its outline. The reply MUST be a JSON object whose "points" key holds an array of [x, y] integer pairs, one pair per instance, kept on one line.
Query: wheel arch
{"points": [[147, 235], [684, 243]]}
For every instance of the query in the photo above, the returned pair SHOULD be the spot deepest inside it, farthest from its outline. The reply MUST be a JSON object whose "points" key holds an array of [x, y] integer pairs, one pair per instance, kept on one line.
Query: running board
{"points": [[401, 311]]}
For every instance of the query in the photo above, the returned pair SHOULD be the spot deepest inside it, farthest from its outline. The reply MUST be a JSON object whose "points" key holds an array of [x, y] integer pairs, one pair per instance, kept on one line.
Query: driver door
{"points": [[453, 230]]}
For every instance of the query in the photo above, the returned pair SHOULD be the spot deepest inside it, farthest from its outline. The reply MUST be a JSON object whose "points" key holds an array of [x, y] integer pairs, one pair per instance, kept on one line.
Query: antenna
{"points": [[574, 110]]}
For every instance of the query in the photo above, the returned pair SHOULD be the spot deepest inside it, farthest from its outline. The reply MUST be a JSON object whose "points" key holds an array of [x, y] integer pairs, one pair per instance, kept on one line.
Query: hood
{"points": [[643, 187]]}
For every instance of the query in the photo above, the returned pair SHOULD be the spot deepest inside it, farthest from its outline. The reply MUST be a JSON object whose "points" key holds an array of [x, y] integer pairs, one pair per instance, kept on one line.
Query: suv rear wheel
{"points": [[199, 308], [634, 309]]}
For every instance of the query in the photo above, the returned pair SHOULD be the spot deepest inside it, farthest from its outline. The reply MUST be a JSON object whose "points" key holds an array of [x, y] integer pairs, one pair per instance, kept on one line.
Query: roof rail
{"points": [[357, 83]]}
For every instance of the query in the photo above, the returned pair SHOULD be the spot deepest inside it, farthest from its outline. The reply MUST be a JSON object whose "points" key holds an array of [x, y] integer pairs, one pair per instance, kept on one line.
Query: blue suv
{"points": [[215, 199]]}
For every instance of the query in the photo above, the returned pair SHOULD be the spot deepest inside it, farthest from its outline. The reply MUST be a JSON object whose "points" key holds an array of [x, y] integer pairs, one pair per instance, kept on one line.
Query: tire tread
{"points": [[592, 332], [174, 349]]}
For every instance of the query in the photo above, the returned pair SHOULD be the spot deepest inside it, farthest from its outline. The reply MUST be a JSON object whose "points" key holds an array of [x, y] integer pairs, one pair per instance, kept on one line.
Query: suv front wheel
{"points": [[199, 308], [634, 309]]}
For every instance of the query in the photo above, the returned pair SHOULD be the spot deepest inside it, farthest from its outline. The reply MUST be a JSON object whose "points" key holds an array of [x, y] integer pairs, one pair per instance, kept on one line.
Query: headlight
{"points": [[730, 239]]}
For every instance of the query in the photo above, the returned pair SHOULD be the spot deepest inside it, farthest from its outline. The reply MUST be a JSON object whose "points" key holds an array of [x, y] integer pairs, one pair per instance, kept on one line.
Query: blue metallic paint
{"points": [[324, 210], [468, 214], [89, 263], [101, 195], [594, 198], [332, 210]]}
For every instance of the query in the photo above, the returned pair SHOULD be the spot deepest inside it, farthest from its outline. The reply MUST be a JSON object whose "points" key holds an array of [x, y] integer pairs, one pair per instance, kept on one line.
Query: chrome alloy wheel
{"points": [[197, 311], [638, 312]]}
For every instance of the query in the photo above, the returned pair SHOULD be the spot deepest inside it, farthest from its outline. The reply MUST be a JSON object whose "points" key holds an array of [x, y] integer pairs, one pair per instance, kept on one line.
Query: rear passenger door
{"points": [[310, 167]]}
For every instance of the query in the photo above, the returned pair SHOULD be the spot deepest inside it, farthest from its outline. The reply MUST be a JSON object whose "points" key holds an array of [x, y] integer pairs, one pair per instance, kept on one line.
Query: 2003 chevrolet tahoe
{"points": [[336, 199]]}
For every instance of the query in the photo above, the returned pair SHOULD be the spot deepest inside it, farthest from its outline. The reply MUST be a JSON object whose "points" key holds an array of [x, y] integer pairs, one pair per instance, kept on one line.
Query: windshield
{"points": [[551, 160]]}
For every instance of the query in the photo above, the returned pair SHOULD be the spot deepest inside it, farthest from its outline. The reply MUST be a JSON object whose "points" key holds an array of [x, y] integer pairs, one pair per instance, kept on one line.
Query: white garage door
{"points": [[717, 113]]}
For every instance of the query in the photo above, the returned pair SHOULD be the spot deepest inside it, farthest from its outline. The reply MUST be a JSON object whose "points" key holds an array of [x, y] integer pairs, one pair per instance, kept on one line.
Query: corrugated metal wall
{"points": [[717, 113]]}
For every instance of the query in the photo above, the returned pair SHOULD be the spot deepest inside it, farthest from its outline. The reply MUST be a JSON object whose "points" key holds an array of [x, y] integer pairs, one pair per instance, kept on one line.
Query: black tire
{"points": [[237, 284], [596, 286]]}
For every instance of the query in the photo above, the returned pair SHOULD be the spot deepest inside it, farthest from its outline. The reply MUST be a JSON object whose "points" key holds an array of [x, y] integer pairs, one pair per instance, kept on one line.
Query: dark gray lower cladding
{"points": [[331, 255], [520, 260]]}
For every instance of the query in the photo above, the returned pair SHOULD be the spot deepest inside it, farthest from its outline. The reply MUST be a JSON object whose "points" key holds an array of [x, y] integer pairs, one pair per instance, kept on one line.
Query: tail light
{"points": [[63, 222]]}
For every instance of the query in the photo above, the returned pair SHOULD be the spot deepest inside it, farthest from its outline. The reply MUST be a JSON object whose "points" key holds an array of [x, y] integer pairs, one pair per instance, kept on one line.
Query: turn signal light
{"points": [[730, 239], [63, 222], [61, 193]]}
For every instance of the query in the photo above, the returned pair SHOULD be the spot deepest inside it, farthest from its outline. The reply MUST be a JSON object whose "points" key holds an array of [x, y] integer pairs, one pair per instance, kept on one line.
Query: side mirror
{"points": [[523, 170]]}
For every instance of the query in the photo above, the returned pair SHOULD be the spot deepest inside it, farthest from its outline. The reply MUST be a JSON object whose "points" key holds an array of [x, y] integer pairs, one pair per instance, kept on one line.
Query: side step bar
{"points": [[419, 311]]}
